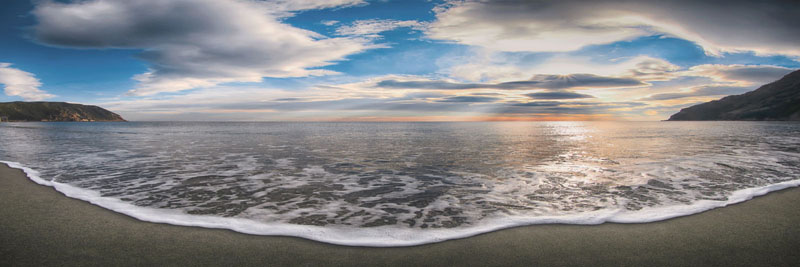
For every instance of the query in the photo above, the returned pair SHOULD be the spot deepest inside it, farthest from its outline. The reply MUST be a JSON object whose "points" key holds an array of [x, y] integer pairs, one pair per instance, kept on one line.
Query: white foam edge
{"points": [[388, 236]]}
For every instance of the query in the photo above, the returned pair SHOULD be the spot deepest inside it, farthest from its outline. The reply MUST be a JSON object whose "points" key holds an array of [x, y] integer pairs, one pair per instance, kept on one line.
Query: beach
{"points": [[40, 226]]}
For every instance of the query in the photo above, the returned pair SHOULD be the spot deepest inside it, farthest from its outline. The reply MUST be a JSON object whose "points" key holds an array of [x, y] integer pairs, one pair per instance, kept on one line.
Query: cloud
{"points": [[558, 95], [539, 81], [652, 69], [420, 96], [303, 5], [497, 66], [288, 99], [558, 107], [470, 99], [430, 84], [700, 91], [21, 83], [539, 104], [764, 27], [757, 74], [198, 106], [371, 27], [615, 97], [580, 81], [196, 43], [488, 94], [329, 22]]}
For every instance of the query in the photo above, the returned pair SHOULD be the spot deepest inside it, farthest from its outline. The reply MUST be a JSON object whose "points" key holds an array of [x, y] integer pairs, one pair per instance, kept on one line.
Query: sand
{"points": [[40, 226]]}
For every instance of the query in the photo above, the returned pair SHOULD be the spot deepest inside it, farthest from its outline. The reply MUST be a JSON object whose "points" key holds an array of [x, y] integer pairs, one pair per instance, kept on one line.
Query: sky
{"points": [[393, 60]]}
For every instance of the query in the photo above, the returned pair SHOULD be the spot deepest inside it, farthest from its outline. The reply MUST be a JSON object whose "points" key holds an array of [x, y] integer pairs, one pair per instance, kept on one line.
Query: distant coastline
{"points": [[776, 101], [56, 112]]}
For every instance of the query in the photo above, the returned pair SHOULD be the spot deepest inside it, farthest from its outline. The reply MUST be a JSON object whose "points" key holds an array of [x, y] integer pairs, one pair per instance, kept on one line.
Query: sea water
{"points": [[396, 184]]}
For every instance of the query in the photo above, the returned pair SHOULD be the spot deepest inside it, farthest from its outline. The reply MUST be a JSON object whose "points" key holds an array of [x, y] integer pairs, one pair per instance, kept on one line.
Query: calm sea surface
{"points": [[405, 183]]}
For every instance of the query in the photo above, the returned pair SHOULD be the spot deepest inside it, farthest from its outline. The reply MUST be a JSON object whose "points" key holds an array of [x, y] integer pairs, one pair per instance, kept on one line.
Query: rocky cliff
{"points": [[779, 100], [55, 111]]}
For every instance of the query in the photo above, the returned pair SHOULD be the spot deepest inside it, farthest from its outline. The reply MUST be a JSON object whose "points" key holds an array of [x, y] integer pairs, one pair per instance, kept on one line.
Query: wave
{"points": [[391, 236]]}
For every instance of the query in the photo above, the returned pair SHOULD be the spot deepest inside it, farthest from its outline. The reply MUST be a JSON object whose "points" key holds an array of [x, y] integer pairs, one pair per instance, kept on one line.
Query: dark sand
{"points": [[40, 226]]}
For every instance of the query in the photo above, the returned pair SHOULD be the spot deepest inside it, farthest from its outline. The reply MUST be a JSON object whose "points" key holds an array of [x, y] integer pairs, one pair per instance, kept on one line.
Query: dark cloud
{"points": [[701, 91], [192, 43], [539, 104], [536, 82], [558, 95], [488, 94], [573, 103], [578, 81]]}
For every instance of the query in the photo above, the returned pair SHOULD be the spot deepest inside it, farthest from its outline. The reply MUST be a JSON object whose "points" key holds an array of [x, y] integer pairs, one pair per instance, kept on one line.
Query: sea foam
{"points": [[391, 236]]}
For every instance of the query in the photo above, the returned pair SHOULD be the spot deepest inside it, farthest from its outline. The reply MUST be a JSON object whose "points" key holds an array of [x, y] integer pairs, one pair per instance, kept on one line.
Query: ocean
{"points": [[401, 184]]}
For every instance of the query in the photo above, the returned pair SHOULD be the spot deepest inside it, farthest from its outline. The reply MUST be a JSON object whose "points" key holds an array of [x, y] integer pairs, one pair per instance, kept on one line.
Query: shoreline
{"points": [[383, 237], [40, 226]]}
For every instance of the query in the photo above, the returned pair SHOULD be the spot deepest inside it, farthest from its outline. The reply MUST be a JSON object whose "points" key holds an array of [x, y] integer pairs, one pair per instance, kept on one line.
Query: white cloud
{"points": [[285, 7], [700, 91], [501, 68], [329, 22], [743, 74], [21, 83], [764, 27], [371, 27], [524, 26], [196, 43]]}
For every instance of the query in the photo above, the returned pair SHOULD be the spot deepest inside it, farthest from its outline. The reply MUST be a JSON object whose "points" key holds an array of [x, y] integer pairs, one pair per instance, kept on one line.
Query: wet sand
{"points": [[40, 226]]}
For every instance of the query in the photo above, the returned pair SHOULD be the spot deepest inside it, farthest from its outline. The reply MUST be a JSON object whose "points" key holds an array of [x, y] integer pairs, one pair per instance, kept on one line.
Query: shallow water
{"points": [[406, 183]]}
